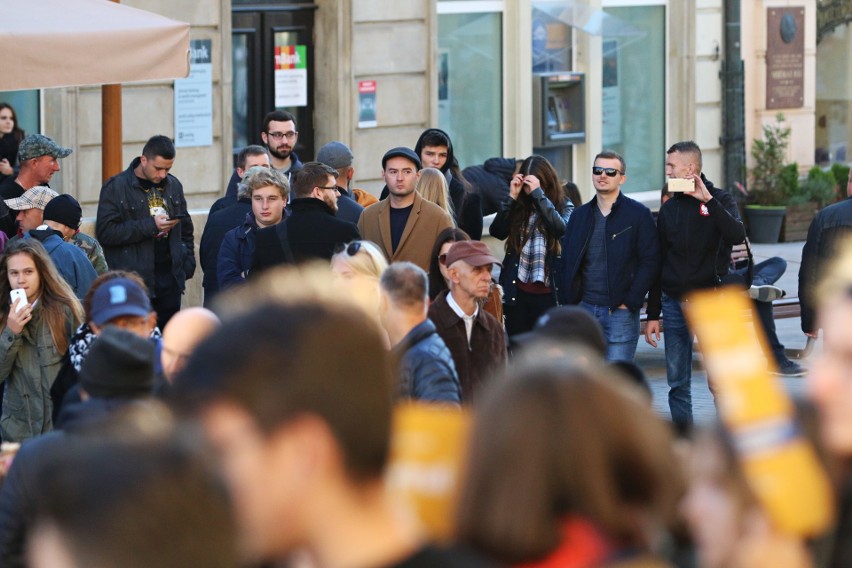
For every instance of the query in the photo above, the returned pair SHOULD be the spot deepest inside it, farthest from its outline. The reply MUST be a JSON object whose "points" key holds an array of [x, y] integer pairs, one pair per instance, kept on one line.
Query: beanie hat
{"points": [[119, 364], [64, 209]]}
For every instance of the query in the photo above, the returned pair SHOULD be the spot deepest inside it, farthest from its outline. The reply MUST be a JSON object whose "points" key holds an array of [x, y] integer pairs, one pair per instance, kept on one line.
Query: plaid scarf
{"points": [[531, 266]]}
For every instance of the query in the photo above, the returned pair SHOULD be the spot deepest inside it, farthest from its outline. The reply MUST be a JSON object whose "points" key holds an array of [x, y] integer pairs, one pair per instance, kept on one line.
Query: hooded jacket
{"points": [[72, 263]]}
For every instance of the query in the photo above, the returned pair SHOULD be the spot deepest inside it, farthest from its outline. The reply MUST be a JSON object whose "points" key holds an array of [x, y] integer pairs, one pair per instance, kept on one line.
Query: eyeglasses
{"points": [[279, 135], [611, 172], [334, 187], [351, 249]]}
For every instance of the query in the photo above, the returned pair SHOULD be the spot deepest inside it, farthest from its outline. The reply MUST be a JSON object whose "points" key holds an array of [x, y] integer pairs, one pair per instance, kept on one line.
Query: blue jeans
{"points": [[620, 328], [678, 342]]}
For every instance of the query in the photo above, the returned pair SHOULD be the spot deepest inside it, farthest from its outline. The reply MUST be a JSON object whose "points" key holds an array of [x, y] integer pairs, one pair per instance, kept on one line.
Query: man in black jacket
{"points": [[611, 257], [696, 230], [143, 225], [311, 231], [829, 228]]}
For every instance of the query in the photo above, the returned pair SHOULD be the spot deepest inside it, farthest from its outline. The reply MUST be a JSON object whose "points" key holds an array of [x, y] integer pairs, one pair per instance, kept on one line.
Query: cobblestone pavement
{"points": [[653, 361]]}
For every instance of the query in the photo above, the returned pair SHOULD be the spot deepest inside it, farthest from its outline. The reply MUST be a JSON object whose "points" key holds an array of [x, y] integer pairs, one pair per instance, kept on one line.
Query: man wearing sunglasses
{"points": [[280, 136], [697, 230], [612, 257]]}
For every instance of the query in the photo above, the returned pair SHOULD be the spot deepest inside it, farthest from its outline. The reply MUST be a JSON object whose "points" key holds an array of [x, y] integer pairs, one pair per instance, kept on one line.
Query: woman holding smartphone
{"points": [[36, 330], [532, 220]]}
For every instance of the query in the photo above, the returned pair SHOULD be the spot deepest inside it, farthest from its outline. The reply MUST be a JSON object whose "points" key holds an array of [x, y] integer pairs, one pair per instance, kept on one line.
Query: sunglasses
{"points": [[351, 249], [611, 172]]}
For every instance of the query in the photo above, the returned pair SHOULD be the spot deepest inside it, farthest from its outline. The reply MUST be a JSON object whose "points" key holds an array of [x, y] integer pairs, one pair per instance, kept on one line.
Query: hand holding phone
{"points": [[19, 295], [178, 216]]}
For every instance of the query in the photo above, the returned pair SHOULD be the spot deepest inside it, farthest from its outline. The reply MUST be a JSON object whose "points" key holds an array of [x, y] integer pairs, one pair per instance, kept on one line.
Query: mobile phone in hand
{"points": [[18, 293]]}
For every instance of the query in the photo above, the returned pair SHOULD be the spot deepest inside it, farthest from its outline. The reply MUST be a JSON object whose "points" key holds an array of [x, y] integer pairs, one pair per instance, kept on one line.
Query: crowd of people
{"points": [[259, 430]]}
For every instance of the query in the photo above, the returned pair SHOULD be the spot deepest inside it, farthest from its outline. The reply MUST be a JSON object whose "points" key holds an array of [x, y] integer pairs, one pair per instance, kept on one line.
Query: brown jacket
{"points": [[424, 224], [486, 356]]}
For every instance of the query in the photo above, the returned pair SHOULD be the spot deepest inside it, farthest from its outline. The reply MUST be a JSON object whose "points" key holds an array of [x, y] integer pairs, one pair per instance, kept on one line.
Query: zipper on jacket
{"points": [[621, 232]]}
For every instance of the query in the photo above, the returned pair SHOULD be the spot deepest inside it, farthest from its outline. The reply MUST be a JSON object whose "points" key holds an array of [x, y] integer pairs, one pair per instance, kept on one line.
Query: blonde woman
{"points": [[432, 186], [358, 267]]}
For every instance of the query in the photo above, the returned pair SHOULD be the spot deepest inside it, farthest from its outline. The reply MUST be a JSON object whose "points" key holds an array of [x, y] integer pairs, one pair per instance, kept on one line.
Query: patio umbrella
{"points": [[61, 43]]}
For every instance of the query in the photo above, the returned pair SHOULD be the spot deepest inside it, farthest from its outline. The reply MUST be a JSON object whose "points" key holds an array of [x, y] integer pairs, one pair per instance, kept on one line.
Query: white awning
{"points": [[58, 43]]}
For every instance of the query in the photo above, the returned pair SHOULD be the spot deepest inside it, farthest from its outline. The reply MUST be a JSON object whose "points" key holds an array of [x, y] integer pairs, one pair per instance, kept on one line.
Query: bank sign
{"points": [[291, 76]]}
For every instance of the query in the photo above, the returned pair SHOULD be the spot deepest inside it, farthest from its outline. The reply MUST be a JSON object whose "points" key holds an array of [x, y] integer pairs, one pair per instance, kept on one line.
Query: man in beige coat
{"points": [[404, 225]]}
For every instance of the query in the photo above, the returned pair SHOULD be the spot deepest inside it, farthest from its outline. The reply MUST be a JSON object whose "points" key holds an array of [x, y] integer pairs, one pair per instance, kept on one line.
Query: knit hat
{"points": [[119, 364], [401, 152], [34, 198], [64, 209], [336, 155], [37, 145], [119, 297]]}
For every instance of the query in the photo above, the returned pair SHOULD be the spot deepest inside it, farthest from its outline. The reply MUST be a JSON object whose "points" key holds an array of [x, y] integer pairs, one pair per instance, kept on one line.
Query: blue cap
{"points": [[119, 297]]}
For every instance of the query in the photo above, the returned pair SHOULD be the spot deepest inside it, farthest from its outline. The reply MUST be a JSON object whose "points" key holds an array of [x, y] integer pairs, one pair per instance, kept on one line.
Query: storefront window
{"points": [[833, 97], [26, 105], [633, 117], [470, 93]]}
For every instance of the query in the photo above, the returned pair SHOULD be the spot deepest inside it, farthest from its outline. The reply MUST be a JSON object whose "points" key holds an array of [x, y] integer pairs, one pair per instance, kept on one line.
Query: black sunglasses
{"points": [[611, 172], [351, 249]]}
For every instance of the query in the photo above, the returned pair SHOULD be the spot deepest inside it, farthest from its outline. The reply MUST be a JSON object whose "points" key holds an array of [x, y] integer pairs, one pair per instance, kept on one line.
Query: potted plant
{"points": [[768, 193]]}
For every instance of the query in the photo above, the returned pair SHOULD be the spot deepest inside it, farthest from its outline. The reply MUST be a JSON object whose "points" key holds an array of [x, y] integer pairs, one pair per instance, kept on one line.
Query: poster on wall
{"points": [[194, 98], [611, 96], [291, 76], [367, 104]]}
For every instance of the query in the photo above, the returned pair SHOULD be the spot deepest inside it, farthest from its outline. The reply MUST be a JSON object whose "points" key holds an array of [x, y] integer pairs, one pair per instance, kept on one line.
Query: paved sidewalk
{"points": [[653, 361]]}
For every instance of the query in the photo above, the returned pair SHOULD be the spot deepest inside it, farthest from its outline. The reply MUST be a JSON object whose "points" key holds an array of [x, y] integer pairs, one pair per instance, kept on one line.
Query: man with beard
{"points": [[280, 136], [311, 230]]}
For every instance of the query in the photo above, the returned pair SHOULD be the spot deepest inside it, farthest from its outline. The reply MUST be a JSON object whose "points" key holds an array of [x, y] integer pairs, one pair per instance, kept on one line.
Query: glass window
{"points": [[633, 98], [240, 95], [833, 97], [26, 105], [470, 93]]}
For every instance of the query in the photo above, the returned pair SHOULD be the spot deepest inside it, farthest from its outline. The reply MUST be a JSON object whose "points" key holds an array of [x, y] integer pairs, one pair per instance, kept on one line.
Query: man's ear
{"points": [[350, 173], [96, 329]]}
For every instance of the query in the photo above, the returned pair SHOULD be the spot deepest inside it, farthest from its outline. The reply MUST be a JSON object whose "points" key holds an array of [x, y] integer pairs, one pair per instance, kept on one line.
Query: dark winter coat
{"points": [[426, 368], [126, 229]]}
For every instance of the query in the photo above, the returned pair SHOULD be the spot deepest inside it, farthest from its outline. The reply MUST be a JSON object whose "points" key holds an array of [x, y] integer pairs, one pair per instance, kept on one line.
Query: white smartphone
{"points": [[16, 294]]}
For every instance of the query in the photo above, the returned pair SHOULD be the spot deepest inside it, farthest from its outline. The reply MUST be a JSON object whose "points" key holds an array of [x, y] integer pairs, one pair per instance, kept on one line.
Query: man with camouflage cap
{"points": [[39, 158]]}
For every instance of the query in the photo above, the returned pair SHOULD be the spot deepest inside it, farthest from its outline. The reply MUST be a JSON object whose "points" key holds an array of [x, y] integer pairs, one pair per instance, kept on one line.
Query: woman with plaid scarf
{"points": [[532, 220]]}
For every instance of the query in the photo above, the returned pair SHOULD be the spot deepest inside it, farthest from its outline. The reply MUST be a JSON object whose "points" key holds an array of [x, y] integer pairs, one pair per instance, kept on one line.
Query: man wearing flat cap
{"points": [[39, 158], [475, 338], [404, 225], [337, 155]]}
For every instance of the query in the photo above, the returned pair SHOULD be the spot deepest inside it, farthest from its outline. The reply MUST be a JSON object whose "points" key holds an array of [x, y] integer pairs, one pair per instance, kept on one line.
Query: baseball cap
{"points": [[475, 253], [35, 198], [118, 365], [336, 155], [119, 297], [35, 145], [64, 209], [401, 151]]}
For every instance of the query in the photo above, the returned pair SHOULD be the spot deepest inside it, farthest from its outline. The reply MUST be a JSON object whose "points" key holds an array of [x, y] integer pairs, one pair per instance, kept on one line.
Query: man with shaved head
{"points": [[182, 334]]}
